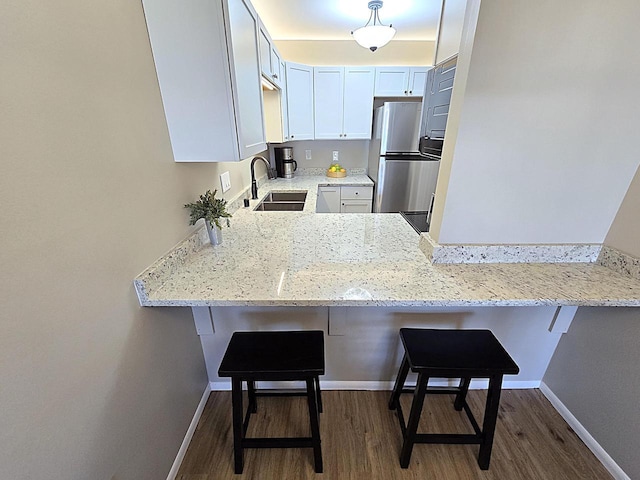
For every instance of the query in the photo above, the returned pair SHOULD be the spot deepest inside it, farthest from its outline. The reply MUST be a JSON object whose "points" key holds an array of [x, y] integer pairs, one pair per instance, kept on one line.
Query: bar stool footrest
{"points": [[272, 442], [448, 438], [435, 390]]}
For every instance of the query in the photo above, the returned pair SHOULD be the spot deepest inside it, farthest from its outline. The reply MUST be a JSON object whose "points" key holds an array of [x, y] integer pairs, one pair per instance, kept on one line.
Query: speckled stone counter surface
{"points": [[304, 258]]}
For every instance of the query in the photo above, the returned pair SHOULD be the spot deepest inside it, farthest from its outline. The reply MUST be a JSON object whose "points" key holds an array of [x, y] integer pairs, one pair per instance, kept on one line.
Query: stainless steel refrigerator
{"points": [[405, 180]]}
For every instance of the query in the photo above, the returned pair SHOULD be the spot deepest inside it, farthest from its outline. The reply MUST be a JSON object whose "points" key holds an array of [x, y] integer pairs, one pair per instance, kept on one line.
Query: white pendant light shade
{"points": [[374, 36]]}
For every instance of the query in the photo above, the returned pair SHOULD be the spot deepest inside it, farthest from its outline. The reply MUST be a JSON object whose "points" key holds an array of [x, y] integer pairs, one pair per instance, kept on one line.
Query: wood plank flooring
{"points": [[361, 440]]}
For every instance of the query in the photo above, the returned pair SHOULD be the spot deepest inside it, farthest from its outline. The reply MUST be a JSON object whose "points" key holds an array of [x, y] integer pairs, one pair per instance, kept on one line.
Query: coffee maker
{"points": [[285, 164]]}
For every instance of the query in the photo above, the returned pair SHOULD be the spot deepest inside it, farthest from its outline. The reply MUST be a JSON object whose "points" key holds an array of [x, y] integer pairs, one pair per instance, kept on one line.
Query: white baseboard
{"points": [[381, 385], [585, 436], [187, 438]]}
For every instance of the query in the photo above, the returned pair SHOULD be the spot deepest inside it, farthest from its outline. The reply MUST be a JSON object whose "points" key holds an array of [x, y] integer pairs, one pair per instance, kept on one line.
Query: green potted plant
{"points": [[212, 210]]}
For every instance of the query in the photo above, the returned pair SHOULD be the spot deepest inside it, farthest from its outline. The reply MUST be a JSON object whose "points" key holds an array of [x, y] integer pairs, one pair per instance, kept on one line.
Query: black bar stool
{"points": [[274, 356], [463, 354]]}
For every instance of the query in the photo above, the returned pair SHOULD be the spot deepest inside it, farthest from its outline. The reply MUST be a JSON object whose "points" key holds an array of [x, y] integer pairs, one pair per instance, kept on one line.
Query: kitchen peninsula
{"points": [[360, 277], [304, 258]]}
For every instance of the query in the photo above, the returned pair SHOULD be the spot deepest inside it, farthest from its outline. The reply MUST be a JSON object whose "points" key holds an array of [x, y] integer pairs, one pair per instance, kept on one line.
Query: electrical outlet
{"points": [[307, 154], [336, 156], [225, 181]]}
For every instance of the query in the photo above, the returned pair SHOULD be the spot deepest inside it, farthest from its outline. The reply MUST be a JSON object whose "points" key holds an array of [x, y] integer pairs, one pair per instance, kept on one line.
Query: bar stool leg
{"points": [[251, 390], [462, 395], [319, 394], [414, 419], [315, 424], [489, 423], [236, 402], [399, 385]]}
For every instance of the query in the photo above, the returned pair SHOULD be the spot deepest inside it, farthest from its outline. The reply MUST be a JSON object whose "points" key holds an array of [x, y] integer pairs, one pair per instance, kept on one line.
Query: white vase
{"points": [[215, 233]]}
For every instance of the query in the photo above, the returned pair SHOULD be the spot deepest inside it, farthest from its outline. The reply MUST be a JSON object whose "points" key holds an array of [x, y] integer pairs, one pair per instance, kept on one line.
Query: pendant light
{"points": [[375, 35]]}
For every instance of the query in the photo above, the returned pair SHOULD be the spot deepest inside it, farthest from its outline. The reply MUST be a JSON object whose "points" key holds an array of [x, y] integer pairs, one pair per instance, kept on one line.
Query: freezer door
{"points": [[405, 185], [400, 127]]}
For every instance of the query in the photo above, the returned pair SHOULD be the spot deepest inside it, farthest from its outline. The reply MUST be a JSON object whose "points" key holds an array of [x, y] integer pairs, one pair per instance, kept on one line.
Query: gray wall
{"points": [[543, 137], [92, 386], [594, 370]]}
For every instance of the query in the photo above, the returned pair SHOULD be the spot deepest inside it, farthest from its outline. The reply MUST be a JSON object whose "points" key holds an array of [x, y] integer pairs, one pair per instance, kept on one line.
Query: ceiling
{"points": [[335, 19]]}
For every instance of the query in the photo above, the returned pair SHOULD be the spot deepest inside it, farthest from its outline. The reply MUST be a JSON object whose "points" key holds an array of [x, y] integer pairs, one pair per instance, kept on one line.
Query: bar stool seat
{"points": [[274, 356], [463, 354]]}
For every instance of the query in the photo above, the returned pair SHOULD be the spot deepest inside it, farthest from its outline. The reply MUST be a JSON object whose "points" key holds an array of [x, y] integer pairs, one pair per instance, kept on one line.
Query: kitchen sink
{"points": [[280, 207], [282, 202], [285, 197]]}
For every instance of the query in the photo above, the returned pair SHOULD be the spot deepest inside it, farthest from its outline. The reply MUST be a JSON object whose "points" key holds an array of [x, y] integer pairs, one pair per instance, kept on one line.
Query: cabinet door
{"points": [[300, 101], [355, 206], [392, 81], [265, 51], [438, 98], [328, 102], [328, 200], [358, 102], [417, 81], [243, 43], [283, 99], [276, 67]]}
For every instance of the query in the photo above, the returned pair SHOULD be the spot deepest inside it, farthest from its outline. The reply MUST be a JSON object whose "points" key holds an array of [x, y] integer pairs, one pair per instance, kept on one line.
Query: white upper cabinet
{"points": [[328, 96], [269, 57], [358, 102], [417, 81], [300, 101], [242, 37], [277, 73], [265, 50], [207, 61], [283, 101], [343, 102], [400, 81]]}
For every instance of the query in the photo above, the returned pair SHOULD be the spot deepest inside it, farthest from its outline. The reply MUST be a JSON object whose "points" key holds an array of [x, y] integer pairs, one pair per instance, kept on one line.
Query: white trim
{"points": [[600, 453], [189, 435], [387, 386]]}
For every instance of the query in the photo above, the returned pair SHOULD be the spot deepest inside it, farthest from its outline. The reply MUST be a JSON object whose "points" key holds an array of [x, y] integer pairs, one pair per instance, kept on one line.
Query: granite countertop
{"points": [[304, 258]]}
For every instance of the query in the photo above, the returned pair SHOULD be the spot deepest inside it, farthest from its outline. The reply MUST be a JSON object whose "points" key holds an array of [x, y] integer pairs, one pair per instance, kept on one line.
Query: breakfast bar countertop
{"points": [[332, 259]]}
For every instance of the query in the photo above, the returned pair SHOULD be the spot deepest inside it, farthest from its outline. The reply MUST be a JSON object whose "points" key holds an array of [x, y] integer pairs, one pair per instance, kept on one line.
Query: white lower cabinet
{"points": [[344, 199], [328, 200], [355, 206]]}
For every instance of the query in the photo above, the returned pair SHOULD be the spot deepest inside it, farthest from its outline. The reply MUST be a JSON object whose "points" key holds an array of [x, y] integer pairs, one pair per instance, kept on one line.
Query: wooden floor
{"points": [[361, 440]]}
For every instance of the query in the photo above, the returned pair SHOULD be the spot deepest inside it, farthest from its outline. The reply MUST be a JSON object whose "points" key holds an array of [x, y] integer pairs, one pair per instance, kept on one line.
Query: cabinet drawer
{"points": [[355, 206], [356, 193]]}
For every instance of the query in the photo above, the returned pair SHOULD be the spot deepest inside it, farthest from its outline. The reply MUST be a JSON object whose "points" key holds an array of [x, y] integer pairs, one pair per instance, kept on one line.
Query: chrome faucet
{"points": [[270, 173]]}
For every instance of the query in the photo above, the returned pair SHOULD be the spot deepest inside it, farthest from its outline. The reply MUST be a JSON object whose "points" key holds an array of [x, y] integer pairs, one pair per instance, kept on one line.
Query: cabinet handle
{"points": [[291, 136], [410, 92], [275, 75], [356, 193], [345, 134], [405, 92]]}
